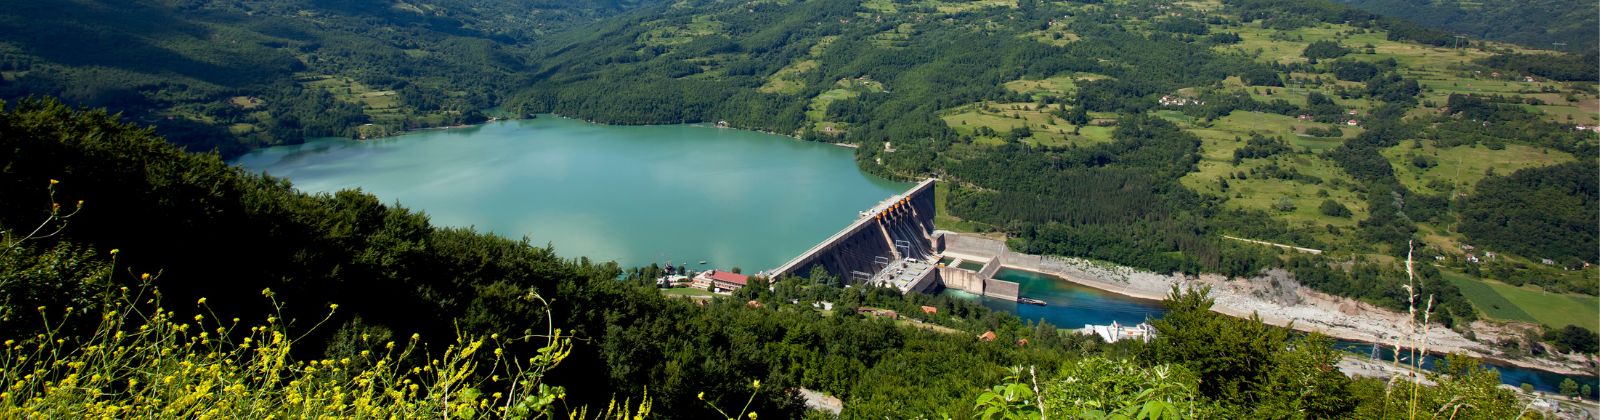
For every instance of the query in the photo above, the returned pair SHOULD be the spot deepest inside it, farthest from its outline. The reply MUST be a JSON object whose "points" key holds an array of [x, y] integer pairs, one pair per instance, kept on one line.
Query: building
{"points": [[1169, 100], [723, 281], [1116, 332]]}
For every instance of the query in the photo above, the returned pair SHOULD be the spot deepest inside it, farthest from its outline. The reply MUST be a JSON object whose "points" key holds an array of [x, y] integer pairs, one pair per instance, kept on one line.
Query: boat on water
{"points": [[702, 262], [1031, 301]]}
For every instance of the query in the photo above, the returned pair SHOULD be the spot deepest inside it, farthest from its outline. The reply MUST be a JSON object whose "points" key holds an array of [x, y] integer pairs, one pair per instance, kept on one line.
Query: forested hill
{"points": [[1117, 130], [328, 284], [1535, 23], [1140, 132], [233, 75]]}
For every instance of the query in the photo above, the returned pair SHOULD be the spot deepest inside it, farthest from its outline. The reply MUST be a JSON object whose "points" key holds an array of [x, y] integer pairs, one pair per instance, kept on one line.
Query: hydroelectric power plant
{"points": [[894, 244]]}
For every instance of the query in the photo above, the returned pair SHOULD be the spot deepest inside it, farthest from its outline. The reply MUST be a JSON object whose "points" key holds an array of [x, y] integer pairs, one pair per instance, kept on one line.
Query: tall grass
{"points": [[142, 361]]}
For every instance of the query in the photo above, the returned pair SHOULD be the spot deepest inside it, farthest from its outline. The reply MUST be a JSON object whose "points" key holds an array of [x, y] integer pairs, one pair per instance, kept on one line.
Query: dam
{"points": [[894, 244]]}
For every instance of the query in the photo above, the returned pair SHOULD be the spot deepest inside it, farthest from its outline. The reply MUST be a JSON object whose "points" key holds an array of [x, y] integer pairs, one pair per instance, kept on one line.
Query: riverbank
{"points": [[1275, 298]]}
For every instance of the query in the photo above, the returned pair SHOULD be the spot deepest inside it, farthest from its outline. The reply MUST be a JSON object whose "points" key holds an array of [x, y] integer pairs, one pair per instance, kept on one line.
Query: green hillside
{"points": [[1139, 132], [341, 306], [1539, 24], [232, 76]]}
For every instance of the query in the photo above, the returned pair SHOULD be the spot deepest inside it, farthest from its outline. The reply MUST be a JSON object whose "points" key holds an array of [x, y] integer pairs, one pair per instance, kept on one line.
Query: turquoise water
{"points": [[1068, 305], [633, 194]]}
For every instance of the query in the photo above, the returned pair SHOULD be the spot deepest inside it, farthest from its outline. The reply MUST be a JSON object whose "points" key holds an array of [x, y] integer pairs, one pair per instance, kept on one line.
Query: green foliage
{"points": [[1538, 213], [1249, 365], [1463, 389], [1333, 208], [1573, 338], [179, 65], [141, 360], [1102, 388], [1014, 399], [1324, 49], [1260, 147], [1569, 67], [1536, 23]]}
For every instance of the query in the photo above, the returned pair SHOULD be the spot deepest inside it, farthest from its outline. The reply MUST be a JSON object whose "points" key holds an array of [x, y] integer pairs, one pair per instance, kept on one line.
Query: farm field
{"points": [[1463, 166], [1218, 145], [1503, 301], [1434, 68], [1003, 118]]}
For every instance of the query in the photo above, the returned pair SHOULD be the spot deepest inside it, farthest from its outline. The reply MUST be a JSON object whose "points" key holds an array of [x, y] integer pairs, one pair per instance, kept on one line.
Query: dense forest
{"points": [[344, 273], [1563, 24], [232, 76], [1540, 212]]}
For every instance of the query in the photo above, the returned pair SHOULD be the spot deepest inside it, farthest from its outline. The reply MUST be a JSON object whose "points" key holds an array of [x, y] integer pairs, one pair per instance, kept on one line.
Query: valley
{"points": [[1348, 166]]}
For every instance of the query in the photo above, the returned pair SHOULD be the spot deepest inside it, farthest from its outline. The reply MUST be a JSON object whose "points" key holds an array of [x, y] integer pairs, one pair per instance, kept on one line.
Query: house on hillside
{"points": [[1169, 100], [723, 281]]}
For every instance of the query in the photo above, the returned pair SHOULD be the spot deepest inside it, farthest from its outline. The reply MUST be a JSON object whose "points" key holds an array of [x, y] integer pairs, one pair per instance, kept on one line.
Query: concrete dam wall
{"points": [[900, 227]]}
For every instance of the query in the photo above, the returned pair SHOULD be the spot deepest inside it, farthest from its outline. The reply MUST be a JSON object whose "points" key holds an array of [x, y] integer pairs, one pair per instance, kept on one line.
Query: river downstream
{"points": [[1070, 305]]}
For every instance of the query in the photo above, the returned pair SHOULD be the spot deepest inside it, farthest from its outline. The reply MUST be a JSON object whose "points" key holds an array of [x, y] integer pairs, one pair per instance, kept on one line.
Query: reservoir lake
{"points": [[652, 194], [632, 194]]}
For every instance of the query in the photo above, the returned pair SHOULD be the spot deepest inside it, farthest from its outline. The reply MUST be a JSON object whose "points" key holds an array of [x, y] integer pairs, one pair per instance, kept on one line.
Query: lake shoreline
{"points": [[1306, 310], [636, 195]]}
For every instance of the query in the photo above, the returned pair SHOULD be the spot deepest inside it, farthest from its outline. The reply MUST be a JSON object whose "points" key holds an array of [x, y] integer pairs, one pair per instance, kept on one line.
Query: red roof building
{"points": [[722, 280]]}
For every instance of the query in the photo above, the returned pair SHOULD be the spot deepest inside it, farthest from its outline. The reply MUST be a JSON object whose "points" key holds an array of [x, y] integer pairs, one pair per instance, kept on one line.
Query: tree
{"points": [[1284, 204], [1574, 338], [1078, 116], [1249, 364], [1333, 208], [1569, 388], [1325, 49]]}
